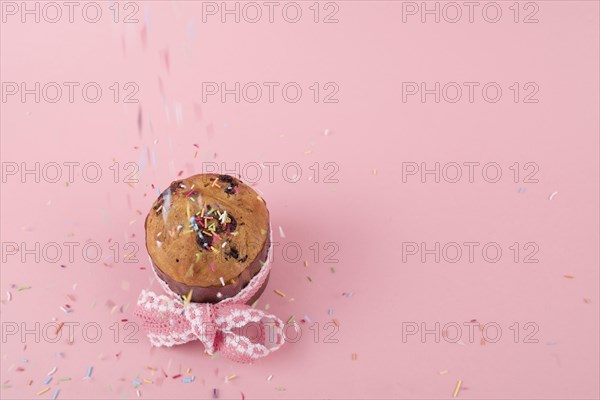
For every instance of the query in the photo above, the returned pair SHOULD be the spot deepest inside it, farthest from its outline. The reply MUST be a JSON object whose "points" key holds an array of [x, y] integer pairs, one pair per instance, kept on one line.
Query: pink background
{"points": [[368, 53]]}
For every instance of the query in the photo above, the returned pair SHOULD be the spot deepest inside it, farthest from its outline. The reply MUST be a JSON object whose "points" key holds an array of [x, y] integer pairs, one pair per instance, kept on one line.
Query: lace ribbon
{"points": [[240, 332]]}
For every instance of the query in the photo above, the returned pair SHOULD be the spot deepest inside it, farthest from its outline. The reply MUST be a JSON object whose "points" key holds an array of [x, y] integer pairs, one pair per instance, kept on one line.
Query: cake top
{"points": [[206, 230]]}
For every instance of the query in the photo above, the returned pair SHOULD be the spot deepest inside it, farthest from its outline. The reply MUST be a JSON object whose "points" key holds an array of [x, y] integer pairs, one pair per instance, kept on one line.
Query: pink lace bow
{"points": [[240, 332]]}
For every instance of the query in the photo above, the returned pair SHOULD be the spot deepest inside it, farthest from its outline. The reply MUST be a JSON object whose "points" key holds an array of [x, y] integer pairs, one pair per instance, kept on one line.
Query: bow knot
{"points": [[242, 333]]}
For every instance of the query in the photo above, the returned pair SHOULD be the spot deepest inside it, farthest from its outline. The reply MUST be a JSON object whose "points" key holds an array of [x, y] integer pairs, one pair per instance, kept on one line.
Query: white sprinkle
{"points": [[51, 372], [552, 195], [222, 280], [137, 392], [281, 232], [326, 133], [223, 245], [8, 296], [270, 377]]}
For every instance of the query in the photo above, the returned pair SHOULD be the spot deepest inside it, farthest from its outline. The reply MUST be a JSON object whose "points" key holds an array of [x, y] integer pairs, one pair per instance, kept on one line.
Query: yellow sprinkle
{"points": [[231, 377], [279, 293], [41, 392], [188, 298], [58, 328], [457, 388], [187, 371], [262, 231], [148, 381], [444, 372]]}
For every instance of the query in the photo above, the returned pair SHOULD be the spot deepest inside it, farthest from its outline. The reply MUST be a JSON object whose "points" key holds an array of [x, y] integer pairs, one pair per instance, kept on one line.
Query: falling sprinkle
{"points": [[374, 171], [8, 296], [309, 278], [55, 394], [457, 388], [326, 132], [552, 195], [569, 276], [52, 371], [41, 392], [332, 270], [89, 372], [215, 394], [305, 263], [521, 190], [279, 293], [21, 288], [330, 311], [290, 319], [47, 381], [354, 356], [336, 322], [269, 377], [444, 372], [230, 378], [281, 233]]}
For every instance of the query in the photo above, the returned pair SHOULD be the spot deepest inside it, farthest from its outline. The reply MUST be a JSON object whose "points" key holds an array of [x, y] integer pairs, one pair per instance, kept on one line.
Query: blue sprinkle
{"points": [[89, 372], [189, 380], [55, 395], [47, 381], [330, 311]]}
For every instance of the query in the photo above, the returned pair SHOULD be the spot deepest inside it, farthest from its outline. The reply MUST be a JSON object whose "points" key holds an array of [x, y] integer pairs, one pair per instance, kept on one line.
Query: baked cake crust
{"points": [[208, 233]]}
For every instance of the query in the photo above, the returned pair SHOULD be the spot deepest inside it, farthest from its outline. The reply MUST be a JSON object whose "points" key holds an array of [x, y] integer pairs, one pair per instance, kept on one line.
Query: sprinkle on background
{"points": [[457, 388]]}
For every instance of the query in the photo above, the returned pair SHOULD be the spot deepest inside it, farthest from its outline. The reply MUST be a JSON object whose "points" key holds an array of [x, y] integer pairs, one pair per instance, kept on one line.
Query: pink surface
{"points": [[360, 202]]}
